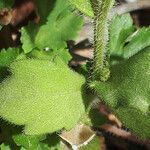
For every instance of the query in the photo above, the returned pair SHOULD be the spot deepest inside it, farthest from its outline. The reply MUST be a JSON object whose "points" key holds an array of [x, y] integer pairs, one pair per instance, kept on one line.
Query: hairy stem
{"points": [[101, 10]]}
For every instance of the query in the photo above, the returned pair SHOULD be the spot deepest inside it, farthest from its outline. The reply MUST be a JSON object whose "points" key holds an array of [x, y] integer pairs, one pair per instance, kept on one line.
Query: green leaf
{"points": [[63, 54], [4, 147], [7, 131], [28, 35], [8, 56], [62, 25], [121, 32], [47, 95], [28, 142], [127, 92], [6, 3], [139, 41], [120, 29], [84, 6], [52, 142]]}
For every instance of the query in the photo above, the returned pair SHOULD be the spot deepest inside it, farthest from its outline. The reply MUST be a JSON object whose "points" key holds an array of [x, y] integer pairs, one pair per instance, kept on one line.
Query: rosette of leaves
{"points": [[43, 96]]}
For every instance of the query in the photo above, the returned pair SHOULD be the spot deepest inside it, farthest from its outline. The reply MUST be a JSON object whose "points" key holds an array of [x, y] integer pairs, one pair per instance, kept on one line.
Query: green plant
{"points": [[41, 94], [38, 98], [124, 89], [132, 108]]}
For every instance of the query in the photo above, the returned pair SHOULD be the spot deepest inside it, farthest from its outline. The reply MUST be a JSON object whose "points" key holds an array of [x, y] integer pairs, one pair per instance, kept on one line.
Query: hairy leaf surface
{"points": [[7, 56], [42, 95], [84, 6], [127, 92]]}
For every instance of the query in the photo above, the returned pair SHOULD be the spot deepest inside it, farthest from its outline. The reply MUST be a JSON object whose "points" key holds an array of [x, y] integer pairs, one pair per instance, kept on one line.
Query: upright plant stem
{"points": [[101, 10]]}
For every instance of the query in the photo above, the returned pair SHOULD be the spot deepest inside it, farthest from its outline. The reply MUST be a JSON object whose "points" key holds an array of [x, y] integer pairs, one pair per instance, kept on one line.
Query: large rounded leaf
{"points": [[43, 96]]}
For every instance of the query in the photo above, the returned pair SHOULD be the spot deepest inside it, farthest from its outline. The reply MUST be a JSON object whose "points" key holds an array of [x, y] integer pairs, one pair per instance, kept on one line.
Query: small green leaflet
{"points": [[125, 40], [120, 28], [28, 142], [139, 41], [7, 56], [84, 6], [62, 25], [52, 142], [4, 147]]}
